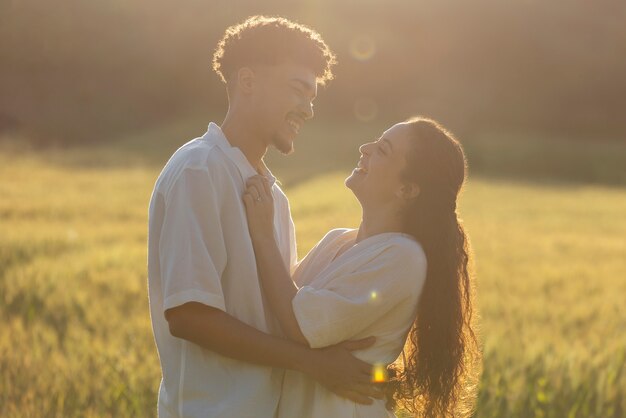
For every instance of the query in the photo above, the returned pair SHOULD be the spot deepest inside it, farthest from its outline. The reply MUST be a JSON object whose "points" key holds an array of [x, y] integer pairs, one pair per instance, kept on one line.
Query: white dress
{"points": [[372, 289]]}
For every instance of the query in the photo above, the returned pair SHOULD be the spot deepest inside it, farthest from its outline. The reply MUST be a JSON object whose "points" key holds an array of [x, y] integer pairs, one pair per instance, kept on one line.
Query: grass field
{"points": [[76, 338]]}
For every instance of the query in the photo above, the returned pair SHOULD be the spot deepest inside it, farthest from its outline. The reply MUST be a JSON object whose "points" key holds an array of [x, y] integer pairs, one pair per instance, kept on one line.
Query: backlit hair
{"points": [[442, 358], [264, 40]]}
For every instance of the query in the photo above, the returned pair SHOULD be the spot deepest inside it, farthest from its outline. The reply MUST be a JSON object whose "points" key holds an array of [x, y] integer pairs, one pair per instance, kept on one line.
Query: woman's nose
{"points": [[363, 149]]}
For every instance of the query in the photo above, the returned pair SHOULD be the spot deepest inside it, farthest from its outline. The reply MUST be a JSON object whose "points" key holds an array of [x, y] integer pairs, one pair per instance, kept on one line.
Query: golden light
{"points": [[373, 295], [379, 373]]}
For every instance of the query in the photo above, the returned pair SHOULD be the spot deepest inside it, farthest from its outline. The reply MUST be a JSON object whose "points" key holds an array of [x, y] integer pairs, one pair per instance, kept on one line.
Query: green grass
{"points": [[76, 342]]}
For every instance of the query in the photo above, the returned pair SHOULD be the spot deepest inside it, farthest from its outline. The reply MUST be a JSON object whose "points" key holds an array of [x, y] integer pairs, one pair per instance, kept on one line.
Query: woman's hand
{"points": [[259, 208]]}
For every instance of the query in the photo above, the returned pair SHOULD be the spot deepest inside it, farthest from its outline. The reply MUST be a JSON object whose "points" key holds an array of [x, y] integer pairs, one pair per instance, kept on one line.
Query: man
{"points": [[221, 353]]}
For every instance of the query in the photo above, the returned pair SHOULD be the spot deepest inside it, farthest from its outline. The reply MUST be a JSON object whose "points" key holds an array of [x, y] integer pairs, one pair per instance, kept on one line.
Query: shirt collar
{"points": [[214, 135]]}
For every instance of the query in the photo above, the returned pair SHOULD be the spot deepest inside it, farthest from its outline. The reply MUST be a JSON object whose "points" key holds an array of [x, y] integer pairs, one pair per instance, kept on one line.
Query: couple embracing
{"points": [[245, 329]]}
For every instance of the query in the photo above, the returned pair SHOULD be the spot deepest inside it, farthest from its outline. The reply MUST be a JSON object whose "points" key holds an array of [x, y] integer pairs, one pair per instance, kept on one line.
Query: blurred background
{"points": [[84, 71], [96, 95]]}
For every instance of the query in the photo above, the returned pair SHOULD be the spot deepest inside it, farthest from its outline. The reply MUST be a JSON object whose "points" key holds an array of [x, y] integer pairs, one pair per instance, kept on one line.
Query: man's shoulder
{"points": [[196, 154]]}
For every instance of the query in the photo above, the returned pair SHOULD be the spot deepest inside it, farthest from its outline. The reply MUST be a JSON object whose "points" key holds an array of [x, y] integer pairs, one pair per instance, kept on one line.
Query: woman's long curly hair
{"points": [[442, 357]]}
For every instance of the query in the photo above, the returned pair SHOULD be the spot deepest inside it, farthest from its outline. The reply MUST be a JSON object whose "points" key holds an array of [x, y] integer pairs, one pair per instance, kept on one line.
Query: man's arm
{"points": [[334, 366]]}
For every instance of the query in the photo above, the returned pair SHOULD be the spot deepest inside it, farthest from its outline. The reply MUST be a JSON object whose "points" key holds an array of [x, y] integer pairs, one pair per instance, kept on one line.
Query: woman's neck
{"points": [[378, 220]]}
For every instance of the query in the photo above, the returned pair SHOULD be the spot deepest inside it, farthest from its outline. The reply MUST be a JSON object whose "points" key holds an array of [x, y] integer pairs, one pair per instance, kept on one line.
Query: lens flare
{"points": [[379, 373], [362, 48], [365, 109]]}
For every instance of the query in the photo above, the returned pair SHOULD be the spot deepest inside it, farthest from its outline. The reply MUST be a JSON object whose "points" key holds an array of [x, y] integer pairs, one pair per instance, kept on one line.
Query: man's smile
{"points": [[295, 122]]}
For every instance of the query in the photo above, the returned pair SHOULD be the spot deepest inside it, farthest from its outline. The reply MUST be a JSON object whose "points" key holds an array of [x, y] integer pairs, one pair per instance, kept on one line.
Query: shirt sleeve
{"points": [[191, 247], [293, 247], [353, 301]]}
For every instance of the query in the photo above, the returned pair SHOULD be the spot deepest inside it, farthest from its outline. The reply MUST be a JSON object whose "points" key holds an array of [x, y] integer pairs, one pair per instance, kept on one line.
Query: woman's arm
{"points": [[276, 281]]}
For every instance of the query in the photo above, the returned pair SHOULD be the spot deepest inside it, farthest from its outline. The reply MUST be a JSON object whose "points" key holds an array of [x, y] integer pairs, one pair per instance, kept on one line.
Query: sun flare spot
{"points": [[362, 48], [379, 373], [365, 109]]}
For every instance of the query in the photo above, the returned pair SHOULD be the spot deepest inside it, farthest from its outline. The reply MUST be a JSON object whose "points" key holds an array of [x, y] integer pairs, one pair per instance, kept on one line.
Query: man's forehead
{"points": [[297, 72], [307, 83]]}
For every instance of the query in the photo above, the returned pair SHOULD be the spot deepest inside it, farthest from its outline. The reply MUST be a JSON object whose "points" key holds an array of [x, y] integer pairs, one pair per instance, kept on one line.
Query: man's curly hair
{"points": [[269, 40]]}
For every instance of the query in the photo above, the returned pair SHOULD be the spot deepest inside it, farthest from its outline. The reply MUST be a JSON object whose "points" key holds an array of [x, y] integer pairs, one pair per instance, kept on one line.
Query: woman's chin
{"points": [[352, 182], [349, 181]]}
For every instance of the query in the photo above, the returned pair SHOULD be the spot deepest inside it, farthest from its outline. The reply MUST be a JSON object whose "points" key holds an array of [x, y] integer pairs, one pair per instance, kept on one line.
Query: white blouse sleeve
{"points": [[351, 302], [302, 266], [191, 247]]}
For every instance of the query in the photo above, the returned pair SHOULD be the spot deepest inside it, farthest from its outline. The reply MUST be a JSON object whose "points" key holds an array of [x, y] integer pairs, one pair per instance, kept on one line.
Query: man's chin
{"points": [[285, 147]]}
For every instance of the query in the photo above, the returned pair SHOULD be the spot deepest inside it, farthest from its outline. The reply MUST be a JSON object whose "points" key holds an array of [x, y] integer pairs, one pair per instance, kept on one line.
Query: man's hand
{"points": [[336, 368]]}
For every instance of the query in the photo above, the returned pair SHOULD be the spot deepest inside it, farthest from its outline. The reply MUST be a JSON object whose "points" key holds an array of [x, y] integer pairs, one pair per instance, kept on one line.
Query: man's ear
{"points": [[245, 80], [408, 191]]}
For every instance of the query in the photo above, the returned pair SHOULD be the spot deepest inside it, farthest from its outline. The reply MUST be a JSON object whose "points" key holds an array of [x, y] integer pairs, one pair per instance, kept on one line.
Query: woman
{"points": [[403, 274]]}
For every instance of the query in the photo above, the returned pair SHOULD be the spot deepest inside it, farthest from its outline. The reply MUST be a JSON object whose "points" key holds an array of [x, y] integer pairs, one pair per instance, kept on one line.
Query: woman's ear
{"points": [[408, 191]]}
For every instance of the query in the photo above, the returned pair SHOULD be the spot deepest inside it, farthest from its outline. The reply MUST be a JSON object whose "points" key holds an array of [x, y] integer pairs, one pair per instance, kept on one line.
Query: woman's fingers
{"points": [[370, 390], [253, 190], [260, 185], [248, 200], [353, 396], [266, 185]]}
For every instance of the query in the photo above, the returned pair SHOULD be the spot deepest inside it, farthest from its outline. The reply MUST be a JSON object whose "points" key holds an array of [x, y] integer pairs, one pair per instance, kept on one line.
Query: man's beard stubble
{"points": [[283, 146]]}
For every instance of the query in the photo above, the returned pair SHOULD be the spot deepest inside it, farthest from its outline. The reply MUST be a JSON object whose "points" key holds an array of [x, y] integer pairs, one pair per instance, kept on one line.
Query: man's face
{"points": [[283, 100]]}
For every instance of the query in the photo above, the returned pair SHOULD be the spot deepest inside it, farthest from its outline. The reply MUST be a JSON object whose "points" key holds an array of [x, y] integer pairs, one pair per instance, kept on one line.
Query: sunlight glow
{"points": [[379, 373]]}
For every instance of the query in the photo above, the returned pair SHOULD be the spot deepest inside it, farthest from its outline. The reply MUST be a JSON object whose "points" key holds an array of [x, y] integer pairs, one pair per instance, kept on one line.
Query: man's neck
{"points": [[238, 133]]}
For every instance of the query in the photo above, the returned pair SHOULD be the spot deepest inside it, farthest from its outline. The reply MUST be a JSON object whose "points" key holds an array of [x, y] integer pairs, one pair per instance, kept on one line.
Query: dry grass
{"points": [[76, 340]]}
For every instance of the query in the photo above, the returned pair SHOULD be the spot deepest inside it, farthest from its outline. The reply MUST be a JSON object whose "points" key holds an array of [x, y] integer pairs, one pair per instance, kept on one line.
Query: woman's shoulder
{"points": [[334, 235], [327, 240], [406, 263], [406, 249], [405, 241]]}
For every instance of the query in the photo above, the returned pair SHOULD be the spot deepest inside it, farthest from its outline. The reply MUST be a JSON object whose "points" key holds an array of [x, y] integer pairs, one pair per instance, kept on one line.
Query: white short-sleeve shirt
{"points": [[199, 250], [372, 289]]}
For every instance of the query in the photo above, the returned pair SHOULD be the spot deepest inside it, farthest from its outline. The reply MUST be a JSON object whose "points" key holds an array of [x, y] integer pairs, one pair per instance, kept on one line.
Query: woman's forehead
{"points": [[397, 135]]}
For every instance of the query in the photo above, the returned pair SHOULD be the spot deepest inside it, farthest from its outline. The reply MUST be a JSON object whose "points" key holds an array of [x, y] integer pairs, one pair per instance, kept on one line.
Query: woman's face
{"points": [[378, 175]]}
